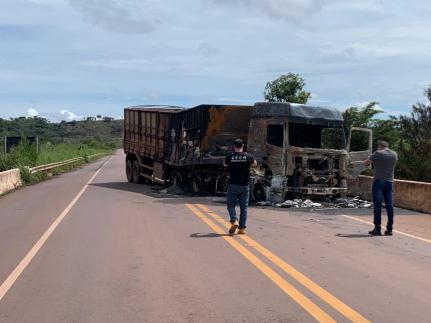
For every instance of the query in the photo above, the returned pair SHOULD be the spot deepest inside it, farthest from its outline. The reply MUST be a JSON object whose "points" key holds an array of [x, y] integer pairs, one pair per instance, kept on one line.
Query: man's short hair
{"points": [[383, 143], [238, 143]]}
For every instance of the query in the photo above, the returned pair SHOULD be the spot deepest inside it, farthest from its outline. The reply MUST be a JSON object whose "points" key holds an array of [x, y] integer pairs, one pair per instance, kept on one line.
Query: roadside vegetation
{"points": [[58, 141]]}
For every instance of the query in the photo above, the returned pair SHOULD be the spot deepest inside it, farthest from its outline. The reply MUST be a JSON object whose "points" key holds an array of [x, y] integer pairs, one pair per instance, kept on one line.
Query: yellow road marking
{"points": [[295, 294], [301, 278], [400, 232], [8, 283]]}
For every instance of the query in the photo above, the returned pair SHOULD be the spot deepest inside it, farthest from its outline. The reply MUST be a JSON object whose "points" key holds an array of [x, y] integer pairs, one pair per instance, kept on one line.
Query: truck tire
{"points": [[177, 179], [136, 173], [196, 184], [129, 171]]}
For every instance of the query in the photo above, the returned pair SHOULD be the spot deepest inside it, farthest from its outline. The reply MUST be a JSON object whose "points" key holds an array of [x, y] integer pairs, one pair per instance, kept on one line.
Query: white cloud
{"points": [[69, 116], [377, 106], [126, 16], [47, 2], [117, 63], [294, 10], [32, 113], [207, 50]]}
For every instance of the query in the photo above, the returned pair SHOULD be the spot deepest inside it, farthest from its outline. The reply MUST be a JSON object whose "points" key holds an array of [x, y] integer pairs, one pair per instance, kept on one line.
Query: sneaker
{"points": [[375, 232], [233, 227], [388, 232], [241, 231]]}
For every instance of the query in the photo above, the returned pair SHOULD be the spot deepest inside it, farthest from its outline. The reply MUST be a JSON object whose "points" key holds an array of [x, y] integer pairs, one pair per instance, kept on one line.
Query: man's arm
{"points": [[370, 160], [226, 161], [252, 160]]}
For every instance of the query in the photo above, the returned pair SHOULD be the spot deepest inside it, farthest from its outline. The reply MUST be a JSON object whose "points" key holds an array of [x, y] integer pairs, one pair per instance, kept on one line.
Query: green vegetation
{"points": [[58, 141], [287, 88]]}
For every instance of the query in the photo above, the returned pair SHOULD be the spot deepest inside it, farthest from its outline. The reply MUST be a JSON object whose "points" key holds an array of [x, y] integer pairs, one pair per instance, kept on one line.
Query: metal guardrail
{"points": [[51, 166]]}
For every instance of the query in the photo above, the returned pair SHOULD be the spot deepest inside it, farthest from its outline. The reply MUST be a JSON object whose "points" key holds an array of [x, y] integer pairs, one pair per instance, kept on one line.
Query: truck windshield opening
{"points": [[316, 136]]}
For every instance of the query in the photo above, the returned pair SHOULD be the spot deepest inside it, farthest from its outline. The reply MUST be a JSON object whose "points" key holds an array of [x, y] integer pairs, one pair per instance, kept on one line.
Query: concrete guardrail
{"points": [[10, 180], [407, 194]]}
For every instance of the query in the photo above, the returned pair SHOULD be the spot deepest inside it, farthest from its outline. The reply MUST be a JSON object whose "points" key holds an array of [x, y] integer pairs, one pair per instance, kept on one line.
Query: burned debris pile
{"points": [[352, 203]]}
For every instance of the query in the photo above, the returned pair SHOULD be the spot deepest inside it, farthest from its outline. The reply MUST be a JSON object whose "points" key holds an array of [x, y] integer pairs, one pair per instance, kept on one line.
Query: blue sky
{"points": [[65, 59]]}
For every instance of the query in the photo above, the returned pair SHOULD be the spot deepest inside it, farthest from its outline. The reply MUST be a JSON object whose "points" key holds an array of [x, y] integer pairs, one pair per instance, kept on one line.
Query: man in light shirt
{"points": [[383, 161]]}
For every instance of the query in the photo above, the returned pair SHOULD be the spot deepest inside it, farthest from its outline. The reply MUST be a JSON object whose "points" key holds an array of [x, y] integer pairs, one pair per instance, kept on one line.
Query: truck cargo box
{"points": [[183, 137]]}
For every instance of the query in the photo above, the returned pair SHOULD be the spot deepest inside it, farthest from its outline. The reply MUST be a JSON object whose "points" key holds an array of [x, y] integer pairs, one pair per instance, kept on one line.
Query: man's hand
{"points": [[367, 162], [254, 163]]}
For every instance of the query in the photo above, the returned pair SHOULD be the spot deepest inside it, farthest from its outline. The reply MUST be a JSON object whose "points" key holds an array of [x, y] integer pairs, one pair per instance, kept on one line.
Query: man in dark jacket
{"points": [[383, 161], [239, 163]]}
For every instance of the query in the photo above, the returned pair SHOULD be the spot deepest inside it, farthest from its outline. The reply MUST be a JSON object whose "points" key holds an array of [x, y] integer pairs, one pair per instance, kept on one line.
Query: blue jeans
{"points": [[241, 193], [383, 190]]}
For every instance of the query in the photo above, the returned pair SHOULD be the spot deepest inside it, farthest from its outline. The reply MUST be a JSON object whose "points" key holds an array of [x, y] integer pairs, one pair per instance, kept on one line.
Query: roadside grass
{"points": [[54, 153], [26, 156]]}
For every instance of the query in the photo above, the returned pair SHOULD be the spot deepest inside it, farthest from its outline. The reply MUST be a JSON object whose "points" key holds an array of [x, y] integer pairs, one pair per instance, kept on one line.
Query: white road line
{"points": [[8, 283], [400, 232]]}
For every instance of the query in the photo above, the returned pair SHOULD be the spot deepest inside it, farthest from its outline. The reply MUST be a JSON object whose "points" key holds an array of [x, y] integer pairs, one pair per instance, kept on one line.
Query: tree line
{"points": [[93, 131]]}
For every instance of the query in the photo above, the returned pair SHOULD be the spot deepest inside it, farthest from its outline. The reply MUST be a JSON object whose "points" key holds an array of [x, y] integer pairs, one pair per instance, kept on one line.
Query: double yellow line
{"points": [[203, 212]]}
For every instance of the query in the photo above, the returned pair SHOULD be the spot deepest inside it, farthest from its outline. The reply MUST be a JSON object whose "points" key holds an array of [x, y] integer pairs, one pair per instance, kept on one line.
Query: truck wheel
{"points": [[258, 192], [129, 171], [177, 179], [136, 173], [196, 184]]}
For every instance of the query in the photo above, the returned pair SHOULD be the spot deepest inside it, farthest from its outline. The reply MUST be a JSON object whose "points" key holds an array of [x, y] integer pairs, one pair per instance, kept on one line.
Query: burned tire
{"points": [[136, 177], [258, 193], [177, 179], [196, 184], [129, 171]]}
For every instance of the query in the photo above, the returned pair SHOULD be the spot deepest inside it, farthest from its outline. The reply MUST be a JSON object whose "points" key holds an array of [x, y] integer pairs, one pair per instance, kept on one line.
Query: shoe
{"points": [[233, 227], [241, 231], [388, 232], [375, 232]]}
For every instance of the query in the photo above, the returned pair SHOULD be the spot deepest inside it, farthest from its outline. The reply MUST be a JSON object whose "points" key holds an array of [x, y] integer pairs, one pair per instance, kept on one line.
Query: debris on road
{"points": [[173, 190], [351, 203]]}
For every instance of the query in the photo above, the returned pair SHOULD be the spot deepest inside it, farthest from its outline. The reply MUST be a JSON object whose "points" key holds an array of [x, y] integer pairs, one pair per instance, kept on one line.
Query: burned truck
{"points": [[301, 150]]}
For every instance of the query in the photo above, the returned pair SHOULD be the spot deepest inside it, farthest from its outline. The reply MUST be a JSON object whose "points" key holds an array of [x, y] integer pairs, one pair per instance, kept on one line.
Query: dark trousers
{"points": [[238, 193], [383, 190]]}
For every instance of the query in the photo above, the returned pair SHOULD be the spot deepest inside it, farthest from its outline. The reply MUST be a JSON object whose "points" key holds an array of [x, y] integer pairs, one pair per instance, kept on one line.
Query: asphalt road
{"points": [[89, 247]]}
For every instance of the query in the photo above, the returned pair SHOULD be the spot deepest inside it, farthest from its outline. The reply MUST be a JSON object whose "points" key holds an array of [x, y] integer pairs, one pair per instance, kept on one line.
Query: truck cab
{"points": [[303, 151]]}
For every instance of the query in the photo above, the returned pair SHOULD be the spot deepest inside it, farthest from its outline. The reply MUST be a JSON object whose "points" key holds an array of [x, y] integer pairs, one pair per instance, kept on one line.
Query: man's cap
{"points": [[383, 143]]}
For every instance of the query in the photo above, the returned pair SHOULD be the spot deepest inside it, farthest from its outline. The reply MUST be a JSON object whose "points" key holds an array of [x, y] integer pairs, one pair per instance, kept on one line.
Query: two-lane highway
{"points": [[89, 247]]}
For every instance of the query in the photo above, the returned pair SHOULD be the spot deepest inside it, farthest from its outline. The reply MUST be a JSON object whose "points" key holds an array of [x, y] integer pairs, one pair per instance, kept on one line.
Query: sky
{"points": [[69, 59]]}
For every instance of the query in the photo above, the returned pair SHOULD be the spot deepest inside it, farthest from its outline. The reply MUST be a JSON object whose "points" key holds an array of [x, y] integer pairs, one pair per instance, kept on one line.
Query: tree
{"points": [[287, 88], [360, 116], [415, 147]]}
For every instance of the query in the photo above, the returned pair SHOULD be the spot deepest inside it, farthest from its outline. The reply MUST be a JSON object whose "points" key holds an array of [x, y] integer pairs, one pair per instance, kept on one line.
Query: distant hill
{"points": [[102, 130]]}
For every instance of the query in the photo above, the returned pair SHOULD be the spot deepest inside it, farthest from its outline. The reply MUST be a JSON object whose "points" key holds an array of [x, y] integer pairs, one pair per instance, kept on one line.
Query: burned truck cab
{"points": [[301, 151]]}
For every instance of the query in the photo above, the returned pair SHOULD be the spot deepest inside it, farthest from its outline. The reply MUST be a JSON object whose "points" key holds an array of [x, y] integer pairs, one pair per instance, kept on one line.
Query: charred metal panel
{"points": [[225, 124], [298, 113], [272, 157]]}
